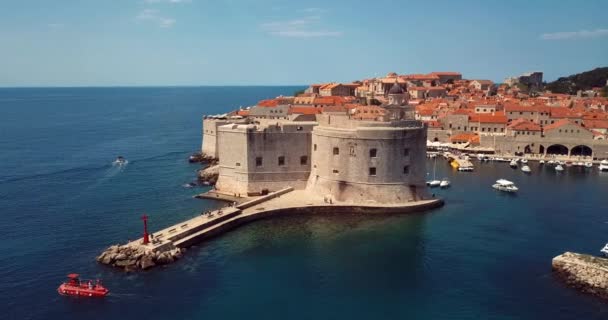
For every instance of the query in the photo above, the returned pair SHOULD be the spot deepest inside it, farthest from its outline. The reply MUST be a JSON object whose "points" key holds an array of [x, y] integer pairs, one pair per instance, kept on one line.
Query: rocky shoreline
{"points": [[583, 272], [209, 175], [132, 258]]}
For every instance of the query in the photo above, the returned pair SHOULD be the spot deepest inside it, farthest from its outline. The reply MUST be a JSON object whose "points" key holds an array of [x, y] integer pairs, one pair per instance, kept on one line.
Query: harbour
{"points": [[85, 205]]}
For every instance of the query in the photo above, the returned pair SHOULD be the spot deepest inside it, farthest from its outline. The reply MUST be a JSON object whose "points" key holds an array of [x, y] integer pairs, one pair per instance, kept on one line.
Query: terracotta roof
{"points": [[523, 125], [330, 100], [334, 109], [596, 124], [489, 118], [304, 110], [446, 73], [243, 113], [268, 103], [465, 137], [558, 124]]}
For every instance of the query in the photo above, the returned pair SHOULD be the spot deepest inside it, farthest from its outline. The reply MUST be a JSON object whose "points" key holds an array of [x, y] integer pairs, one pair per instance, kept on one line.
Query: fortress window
{"points": [[406, 169], [336, 151], [373, 153], [372, 171], [336, 171], [304, 160], [258, 161], [282, 160], [406, 152], [299, 128], [315, 147], [238, 164]]}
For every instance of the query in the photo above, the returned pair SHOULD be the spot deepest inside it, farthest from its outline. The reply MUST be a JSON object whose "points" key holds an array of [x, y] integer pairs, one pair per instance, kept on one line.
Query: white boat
{"points": [[559, 168], [550, 162], [444, 183], [120, 160], [526, 169], [580, 164], [505, 185], [541, 162], [524, 160], [513, 163], [604, 165], [605, 250], [433, 183], [465, 168], [588, 165]]}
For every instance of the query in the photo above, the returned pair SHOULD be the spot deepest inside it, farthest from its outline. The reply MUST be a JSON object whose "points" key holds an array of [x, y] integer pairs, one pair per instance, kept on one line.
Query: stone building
{"points": [[369, 162]]}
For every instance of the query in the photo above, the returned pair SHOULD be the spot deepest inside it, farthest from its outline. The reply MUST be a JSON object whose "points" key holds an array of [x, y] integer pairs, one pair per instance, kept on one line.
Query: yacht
{"points": [[526, 169], [559, 168], [513, 163], [505, 185], [605, 250], [444, 183], [604, 165]]}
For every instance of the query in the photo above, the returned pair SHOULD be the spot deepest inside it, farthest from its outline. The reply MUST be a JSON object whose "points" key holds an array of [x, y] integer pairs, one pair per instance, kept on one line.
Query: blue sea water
{"points": [[484, 255]]}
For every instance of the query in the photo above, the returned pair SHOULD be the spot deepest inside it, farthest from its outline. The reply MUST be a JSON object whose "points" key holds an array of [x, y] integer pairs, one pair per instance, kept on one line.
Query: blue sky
{"points": [[269, 42]]}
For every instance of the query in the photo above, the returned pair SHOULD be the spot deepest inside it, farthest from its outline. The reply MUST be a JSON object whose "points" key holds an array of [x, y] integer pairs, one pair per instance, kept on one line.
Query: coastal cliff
{"points": [[586, 273]]}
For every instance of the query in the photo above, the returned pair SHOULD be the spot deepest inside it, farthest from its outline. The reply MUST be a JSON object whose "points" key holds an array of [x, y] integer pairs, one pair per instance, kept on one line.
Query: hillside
{"points": [[581, 81]]}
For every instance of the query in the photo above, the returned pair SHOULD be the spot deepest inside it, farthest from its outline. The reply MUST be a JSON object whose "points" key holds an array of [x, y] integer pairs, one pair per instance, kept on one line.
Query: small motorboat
{"points": [[444, 183], [524, 160], [551, 162], [120, 160], [513, 163], [526, 169], [559, 168], [189, 185], [588, 165], [541, 162], [505, 185], [579, 164], [604, 165], [466, 168], [433, 183], [605, 250], [82, 288]]}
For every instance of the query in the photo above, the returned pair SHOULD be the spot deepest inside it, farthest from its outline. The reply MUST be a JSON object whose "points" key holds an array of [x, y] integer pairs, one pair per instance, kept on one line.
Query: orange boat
{"points": [[82, 288]]}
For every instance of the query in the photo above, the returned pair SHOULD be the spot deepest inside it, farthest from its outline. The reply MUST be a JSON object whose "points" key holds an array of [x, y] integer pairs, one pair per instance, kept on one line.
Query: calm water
{"points": [[484, 255]]}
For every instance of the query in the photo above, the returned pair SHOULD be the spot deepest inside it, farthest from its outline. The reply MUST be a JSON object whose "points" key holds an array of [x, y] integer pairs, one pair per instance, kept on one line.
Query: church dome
{"points": [[396, 89]]}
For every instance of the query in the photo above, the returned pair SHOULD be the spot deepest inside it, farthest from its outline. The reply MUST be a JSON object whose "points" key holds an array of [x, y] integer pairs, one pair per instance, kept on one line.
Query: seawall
{"points": [[583, 272]]}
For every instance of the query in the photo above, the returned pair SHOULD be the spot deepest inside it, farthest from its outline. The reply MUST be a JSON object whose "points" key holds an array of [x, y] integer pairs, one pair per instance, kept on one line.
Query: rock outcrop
{"points": [[203, 158], [132, 258], [209, 175], [584, 272]]}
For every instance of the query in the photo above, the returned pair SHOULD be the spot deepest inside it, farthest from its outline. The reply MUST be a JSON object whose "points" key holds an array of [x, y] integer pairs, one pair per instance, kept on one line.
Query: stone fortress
{"points": [[331, 154]]}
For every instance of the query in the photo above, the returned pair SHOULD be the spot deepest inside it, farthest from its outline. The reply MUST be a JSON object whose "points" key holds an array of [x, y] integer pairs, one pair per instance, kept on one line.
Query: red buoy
{"points": [[82, 288]]}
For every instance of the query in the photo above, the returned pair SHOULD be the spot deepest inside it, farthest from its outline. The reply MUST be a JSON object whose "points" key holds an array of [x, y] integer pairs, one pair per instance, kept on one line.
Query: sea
{"points": [[484, 255]]}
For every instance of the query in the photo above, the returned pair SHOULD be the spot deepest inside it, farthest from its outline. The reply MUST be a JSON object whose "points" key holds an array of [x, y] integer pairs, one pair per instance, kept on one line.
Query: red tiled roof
{"points": [[465, 137], [304, 110], [268, 103], [243, 113], [596, 124], [523, 125], [489, 118], [559, 123]]}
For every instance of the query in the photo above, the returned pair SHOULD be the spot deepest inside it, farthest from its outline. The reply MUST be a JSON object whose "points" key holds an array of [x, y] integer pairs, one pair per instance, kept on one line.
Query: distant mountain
{"points": [[581, 81]]}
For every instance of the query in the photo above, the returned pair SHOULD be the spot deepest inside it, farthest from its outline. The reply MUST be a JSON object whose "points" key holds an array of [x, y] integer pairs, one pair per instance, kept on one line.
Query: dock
{"points": [[168, 244]]}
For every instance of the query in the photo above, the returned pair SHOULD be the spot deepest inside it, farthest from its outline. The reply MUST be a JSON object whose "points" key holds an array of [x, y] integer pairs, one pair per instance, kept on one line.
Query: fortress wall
{"points": [[209, 145], [346, 176]]}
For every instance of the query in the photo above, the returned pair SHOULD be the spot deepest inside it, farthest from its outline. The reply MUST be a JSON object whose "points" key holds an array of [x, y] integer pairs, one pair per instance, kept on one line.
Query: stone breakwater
{"points": [[583, 272], [132, 258]]}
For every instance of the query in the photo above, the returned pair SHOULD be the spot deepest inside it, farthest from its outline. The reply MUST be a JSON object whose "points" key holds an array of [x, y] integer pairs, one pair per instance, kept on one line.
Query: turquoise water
{"points": [[485, 255]]}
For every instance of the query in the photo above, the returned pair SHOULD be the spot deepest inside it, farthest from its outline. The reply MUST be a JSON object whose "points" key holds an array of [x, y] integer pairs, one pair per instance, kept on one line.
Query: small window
{"points": [[335, 171], [282, 160], [258, 161], [299, 128], [238, 164], [406, 152], [406, 169], [304, 160], [373, 153], [314, 147], [372, 171], [336, 150]]}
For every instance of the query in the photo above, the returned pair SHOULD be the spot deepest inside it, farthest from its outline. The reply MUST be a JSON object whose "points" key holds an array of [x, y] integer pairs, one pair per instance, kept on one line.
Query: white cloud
{"points": [[153, 15], [305, 27], [582, 34]]}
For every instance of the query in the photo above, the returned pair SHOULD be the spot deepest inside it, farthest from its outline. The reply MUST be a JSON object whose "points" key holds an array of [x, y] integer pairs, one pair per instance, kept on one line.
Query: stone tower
{"points": [[396, 95]]}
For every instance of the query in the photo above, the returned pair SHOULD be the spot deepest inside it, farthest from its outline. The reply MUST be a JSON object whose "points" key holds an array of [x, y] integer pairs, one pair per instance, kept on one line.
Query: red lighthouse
{"points": [[145, 219]]}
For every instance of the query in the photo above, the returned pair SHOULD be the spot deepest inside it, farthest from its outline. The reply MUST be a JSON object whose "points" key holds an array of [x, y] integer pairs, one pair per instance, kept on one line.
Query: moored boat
{"points": [[505, 185], [526, 169], [82, 288], [541, 162], [433, 183], [513, 163], [524, 160], [604, 165], [444, 183], [605, 250], [588, 165], [559, 168]]}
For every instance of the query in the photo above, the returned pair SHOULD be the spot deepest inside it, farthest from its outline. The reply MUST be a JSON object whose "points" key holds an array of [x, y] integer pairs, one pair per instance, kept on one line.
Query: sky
{"points": [[278, 42]]}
